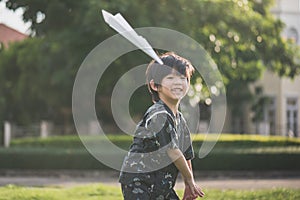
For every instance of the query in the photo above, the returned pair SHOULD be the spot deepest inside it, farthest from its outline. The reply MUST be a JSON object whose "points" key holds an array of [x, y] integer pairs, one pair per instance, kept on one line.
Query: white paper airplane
{"points": [[118, 23]]}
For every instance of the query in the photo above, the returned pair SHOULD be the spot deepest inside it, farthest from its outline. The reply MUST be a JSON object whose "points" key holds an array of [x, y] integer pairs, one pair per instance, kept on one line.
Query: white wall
{"points": [[289, 12]]}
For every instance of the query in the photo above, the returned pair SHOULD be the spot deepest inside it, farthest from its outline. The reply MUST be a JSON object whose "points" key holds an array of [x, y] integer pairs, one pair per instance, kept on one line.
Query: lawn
{"points": [[232, 152], [100, 191]]}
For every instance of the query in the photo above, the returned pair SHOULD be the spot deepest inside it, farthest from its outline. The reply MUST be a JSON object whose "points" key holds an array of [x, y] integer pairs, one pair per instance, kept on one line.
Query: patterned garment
{"points": [[147, 169], [138, 191]]}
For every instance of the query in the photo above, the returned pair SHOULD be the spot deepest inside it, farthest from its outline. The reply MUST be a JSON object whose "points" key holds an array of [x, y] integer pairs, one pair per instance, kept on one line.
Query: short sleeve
{"points": [[188, 147], [189, 153]]}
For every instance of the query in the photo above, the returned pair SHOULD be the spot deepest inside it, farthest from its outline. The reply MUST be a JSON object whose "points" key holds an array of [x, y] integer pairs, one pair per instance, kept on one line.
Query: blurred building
{"points": [[289, 12], [279, 97], [9, 35]]}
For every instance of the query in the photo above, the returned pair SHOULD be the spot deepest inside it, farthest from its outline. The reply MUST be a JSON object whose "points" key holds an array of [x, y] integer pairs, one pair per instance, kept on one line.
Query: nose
{"points": [[178, 80]]}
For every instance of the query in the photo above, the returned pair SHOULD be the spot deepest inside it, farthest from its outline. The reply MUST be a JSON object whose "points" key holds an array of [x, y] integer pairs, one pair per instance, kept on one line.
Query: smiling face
{"points": [[163, 81], [173, 88]]}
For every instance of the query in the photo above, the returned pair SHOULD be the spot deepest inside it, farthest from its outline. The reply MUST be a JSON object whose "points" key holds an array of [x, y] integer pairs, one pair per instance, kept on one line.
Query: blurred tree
{"points": [[242, 37], [17, 82]]}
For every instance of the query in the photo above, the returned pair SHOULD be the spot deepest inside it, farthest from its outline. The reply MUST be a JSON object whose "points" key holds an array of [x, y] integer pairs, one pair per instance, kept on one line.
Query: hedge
{"points": [[232, 152]]}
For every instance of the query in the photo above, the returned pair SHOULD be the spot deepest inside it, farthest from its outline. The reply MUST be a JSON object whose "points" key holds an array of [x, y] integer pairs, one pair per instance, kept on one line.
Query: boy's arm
{"points": [[189, 163], [181, 163], [187, 191], [184, 167]]}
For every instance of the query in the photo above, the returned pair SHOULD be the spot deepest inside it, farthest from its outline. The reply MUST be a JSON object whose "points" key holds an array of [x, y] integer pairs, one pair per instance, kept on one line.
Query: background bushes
{"points": [[231, 152]]}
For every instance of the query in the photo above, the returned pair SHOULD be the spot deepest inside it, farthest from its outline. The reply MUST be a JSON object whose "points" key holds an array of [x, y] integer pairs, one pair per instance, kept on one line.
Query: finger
{"points": [[199, 192], [194, 194]]}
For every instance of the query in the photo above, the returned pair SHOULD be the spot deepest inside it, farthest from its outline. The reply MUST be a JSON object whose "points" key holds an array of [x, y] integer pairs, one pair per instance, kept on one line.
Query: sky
{"points": [[13, 19]]}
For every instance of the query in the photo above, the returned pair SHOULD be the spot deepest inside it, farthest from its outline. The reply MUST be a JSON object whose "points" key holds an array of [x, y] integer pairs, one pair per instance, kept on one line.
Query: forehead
{"points": [[174, 72]]}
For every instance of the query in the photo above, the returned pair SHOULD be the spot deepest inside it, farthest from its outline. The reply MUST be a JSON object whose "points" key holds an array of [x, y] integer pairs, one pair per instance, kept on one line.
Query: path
{"points": [[212, 179]]}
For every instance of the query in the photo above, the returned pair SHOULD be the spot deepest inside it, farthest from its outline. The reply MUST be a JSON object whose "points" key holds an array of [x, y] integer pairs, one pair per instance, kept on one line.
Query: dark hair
{"points": [[157, 72]]}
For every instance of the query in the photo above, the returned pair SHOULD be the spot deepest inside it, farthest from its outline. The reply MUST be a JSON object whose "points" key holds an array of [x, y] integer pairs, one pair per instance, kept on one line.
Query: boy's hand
{"points": [[192, 191], [188, 194]]}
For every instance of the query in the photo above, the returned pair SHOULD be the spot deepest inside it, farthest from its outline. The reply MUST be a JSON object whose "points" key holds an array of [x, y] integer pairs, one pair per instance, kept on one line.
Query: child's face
{"points": [[173, 87]]}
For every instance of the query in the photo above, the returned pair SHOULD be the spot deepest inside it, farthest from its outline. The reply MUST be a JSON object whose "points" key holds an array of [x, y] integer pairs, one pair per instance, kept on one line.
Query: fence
{"points": [[43, 129], [14, 131]]}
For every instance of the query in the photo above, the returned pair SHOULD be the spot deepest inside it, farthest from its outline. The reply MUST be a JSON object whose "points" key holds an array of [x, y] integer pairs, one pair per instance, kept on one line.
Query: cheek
{"points": [[186, 84], [166, 83]]}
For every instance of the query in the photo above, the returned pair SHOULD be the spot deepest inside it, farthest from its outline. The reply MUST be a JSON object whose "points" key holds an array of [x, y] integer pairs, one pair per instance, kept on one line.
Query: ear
{"points": [[153, 86]]}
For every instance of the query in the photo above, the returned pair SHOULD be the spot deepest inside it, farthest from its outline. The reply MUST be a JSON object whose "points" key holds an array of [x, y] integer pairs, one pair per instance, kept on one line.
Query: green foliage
{"points": [[231, 152], [40, 72], [73, 141], [100, 191], [259, 105]]}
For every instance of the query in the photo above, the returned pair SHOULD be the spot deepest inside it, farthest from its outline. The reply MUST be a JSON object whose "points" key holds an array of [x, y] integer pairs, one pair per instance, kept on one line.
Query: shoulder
{"points": [[156, 110], [157, 114], [156, 107]]}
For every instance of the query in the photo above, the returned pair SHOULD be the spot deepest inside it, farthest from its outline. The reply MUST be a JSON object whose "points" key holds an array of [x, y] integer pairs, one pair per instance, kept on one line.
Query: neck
{"points": [[173, 105]]}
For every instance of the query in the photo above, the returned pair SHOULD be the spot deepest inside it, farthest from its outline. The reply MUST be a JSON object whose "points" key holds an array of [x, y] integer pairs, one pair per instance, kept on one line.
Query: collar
{"points": [[168, 109]]}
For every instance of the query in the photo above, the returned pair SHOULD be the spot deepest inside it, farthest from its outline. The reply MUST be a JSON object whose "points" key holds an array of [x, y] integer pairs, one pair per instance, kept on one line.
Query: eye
{"points": [[170, 77], [183, 78]]}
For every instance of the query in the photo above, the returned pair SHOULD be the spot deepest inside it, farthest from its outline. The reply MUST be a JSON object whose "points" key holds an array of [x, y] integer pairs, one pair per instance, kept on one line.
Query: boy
{"points": [[162, 145]]}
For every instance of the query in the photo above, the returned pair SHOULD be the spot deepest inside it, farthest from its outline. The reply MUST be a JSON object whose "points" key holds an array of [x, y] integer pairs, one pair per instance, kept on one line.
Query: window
{"points": [[271, 115], [292, 34], [292, 117]]}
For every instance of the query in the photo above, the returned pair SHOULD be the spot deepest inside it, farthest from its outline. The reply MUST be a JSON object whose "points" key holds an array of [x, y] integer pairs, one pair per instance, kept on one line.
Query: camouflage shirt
{"points": [[147, 160]]}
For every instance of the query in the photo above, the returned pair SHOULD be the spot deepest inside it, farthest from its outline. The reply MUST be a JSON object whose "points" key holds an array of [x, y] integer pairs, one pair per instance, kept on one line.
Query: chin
{"points": [[177, 99]]}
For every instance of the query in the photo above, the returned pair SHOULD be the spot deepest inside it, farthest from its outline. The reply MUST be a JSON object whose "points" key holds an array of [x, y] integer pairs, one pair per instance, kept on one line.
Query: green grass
{"points": [[88, 192], [100, 191]]}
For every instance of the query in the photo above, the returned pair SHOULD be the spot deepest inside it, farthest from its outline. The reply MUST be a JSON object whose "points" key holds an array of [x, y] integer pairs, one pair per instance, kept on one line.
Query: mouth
{"points": [[177, 90]]}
